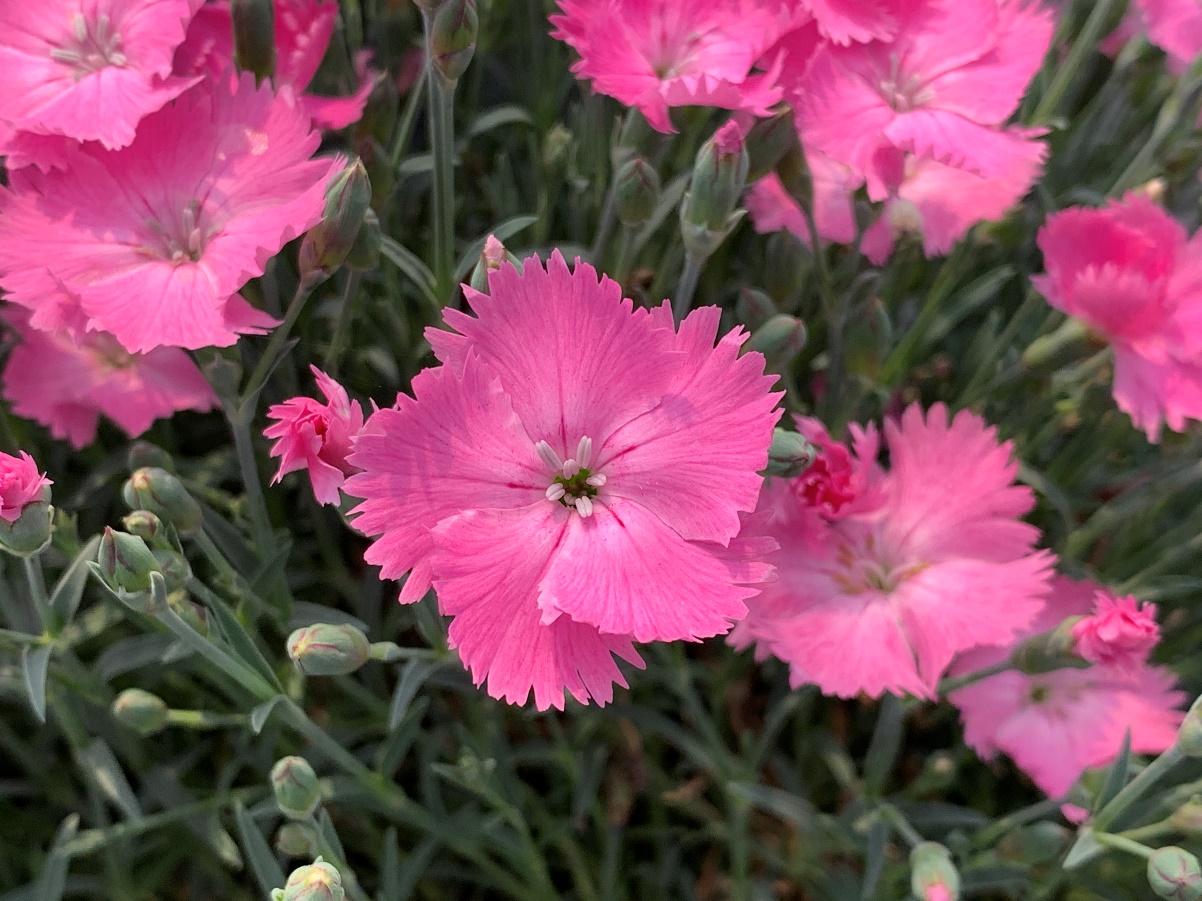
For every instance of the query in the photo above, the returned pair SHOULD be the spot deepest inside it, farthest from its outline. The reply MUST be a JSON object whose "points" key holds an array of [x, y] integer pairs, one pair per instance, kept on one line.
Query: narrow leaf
{"points": [[100, 764], [240, 641], [68, 592], [886, 739], [1116, 778], [874, 861], [411, 267], [258, 716], [35, 663], [414, 673], [262, 862], [53, 881]]}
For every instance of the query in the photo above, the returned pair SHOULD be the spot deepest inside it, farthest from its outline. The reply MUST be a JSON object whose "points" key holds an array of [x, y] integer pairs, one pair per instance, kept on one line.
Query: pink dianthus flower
{"points": [[881, 600], [658, 54], [772, 208], [65, 384], [571, 480], [1120, 632], [1129, 272], [1175, 26], [842, 21], [152, 242], [317, 437], [20, 484], [1057, 725], [88, 70]]}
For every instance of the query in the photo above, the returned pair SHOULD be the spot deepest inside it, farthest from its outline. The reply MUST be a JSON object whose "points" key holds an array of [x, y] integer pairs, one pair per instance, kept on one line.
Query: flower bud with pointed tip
{"points": [[364, 255], [754, 307], [328, 243], [789, 455], [780, 340], [317, 882], [787, 261], [146, 526], [453, 34], [143, 712], [708, 213], [769, 140], [1174, 873], [143, 453], [295, 786], [794, 174], [125, 563], [158, 491], [636, 192], [295, 840], [254, 37], [933, 876], [328, 650]]}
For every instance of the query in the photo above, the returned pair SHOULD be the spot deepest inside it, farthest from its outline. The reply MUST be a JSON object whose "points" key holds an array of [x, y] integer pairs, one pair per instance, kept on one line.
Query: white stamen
{"points": [[584, 506], [80, 24], [570, 468], [584, 452], [548, 455], [555, 491], [596, 480], [117, 59]]}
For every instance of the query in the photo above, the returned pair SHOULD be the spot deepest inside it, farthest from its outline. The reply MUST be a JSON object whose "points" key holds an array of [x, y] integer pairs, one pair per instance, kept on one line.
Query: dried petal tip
{"points": [[295, 786], [1174, 874], [328, 650]]}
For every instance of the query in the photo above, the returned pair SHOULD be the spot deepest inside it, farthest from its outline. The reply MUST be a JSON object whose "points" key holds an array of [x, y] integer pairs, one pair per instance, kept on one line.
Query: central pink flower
{"points": [[570, 480]]}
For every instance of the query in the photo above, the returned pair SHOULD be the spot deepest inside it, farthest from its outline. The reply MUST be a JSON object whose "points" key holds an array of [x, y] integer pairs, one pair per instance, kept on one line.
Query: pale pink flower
{"points": [[88, 70], [571, 480], [1056, 725], [941, 89], [20, 484], [880, 601], [1175, 26], [317, 437], [659, 54], [1128, 271], [152, 242], [303, 29], [66, 384], [1120, 632]]}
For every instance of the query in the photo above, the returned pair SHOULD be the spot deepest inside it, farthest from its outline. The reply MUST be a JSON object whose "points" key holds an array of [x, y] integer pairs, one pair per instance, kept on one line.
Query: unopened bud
{"points": [[789, 455], [933, 876], [428, 6], [143, 453], [788, 263], [295, 840], [869, 338], [1047, 651], [254, 37], [708, 213], [190, 612], [636, 192], [780, 340], [328, 650], [295, 786], [794, 174], [29, 533], [364, 254], [636, 137], [174, 566], [221, 371], [1189, 736], [453, 38], [1174, 873], [328, 243], [317, 882], [768, 141], [754, 307], [1188, 817], [143, 712], [158, 491], [146, 526], [125, 563]]}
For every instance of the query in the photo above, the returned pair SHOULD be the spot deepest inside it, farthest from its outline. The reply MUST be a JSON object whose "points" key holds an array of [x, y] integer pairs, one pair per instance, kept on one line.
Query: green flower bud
{"points": [[143, 712], [789, 455], [379, 117], [254, 37], [1174, 873], [328, 650], [143, 453], [191, 613], [1189, 736], [125, 564], [453, 38], [788, 263], [295, 785], [754, 307], [635, 137], [364, 255], [29, 533], [636, 191], [295, 840], [158, 491], [768, 141], [1048, 651], [491, 258], [869, 338], [708, 213], [794, 174], [224, 373], [328, 243], [932, 873], [317, 882], [175, 568], [780, 340], [146, 526]]}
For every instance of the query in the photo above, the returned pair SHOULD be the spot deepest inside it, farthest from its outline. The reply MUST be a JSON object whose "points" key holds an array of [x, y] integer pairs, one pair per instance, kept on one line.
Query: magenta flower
{"points": [[659, 54], [844, 21], [1057, 725], [881, 600], [317, 437], [20, 485], [89, 70], [570, 480], [1129, 273], [66, 384], [942, 89], [1175, 26], [1120, 632], [151, 243]]}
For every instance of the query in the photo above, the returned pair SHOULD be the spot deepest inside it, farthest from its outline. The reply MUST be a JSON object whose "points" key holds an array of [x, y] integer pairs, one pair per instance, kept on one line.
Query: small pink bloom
{"points": [[1074, 814], [1175, 26], [317, 437], [659, 54], [20, 484], [571, 480], [152, 242], [66, 384], [88, 70], [1120, 632], [1129, 273], [881, 600], [1057, 725], [838, 484]]}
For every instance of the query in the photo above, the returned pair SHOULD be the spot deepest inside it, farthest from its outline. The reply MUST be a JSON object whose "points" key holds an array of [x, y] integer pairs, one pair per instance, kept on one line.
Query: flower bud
{"points": [[788, 267], [158, 491], [190, 612], [1047, 651], [789, 455], [794, 174], [635, 137], [146, 526], [1188, 817], [1174, 873], [328, 650], [491, 258], [780, 340], [868, 340], [143, 453], [328, 243], [453, 38], [295, 786], [428, 6], [933, 877], [754, 307], [294, 840], [221, 371], [364, 254], [143, 712], [254, 37], [768, 141], [317, 882], [125, 563], [708, 213], [174, 566], [636, 192], [1189, 736]]}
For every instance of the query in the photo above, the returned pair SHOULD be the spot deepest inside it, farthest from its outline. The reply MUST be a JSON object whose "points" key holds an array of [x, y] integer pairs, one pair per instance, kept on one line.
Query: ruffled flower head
{"points": [[87, 70], [658, 54], [1128, 271], [881, 601], [66, 384], [20, 485], [1057, 725], [571, 480], [317, 437], [1120, 632], [151, 243]]}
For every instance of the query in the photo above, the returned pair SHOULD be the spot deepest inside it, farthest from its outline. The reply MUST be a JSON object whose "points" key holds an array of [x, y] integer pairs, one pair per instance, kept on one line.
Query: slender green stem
{"points": [[1134, 790], [342, 329], [609, 216], [996, 830], [442, 147], [1151, 831], [739, 810], [204, 719], [894, 818], [1181, 105], [249, 468], [231, 666], [1067, 71], [1123, 844], [625, 250], [349, 880], [404, 131], [250, 393], [213, 554], [683, 301], [37, 590], [951, 684]]}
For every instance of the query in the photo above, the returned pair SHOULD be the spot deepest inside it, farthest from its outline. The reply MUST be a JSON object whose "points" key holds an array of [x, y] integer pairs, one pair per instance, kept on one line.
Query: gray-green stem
{"points": [[342, 329], [442, 147], [689, 276], [37, 590], [1134, 790]]}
